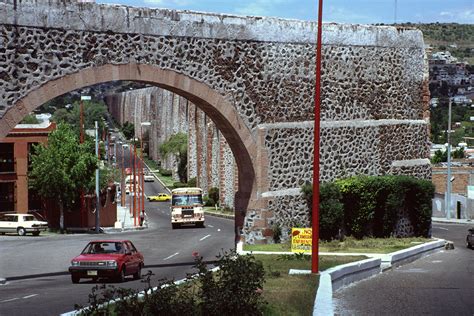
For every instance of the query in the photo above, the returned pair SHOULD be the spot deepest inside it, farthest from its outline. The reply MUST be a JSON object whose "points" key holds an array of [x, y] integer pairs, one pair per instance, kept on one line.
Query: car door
{"points": [[136, 258], [128, 258]]}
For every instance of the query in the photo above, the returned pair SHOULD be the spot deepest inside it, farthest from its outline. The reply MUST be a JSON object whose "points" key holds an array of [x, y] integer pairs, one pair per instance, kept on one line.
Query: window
{"points": [[7, 158], [7, 197]]}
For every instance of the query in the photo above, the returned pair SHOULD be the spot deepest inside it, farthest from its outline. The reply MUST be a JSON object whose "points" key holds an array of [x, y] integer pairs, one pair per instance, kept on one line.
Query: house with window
{"points": [[15, 151]]}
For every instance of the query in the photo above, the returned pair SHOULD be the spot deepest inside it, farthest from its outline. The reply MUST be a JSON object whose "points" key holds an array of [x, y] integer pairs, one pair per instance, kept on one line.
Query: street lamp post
{"points": [[317, 116], [97, 210], [141, 154]]}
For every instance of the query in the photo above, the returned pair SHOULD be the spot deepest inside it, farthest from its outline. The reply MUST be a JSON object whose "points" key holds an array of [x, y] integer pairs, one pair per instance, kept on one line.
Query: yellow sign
{"points": [[301, 240]]}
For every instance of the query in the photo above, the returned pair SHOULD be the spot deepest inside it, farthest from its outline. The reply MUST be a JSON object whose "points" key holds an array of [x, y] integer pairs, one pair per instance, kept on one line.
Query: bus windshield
{"points": [[186, 199]]}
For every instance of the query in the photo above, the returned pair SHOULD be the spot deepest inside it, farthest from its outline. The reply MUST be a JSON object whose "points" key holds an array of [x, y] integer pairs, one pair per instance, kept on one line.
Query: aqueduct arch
{"points": [[254, 76], [217, 108]]}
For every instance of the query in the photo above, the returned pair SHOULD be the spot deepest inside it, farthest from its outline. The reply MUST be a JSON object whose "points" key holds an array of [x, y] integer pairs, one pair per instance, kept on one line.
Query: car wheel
{"points": [[138, 274], [21, 231], [121, 276], [75, 279], [35, 233], [469, 245], [200, 225], [174, 225]]}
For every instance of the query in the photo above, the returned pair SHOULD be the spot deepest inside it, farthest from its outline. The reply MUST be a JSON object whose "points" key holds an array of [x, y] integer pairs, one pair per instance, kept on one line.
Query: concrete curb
{"points": [[219, 215], [400, 257], [3, 281]]}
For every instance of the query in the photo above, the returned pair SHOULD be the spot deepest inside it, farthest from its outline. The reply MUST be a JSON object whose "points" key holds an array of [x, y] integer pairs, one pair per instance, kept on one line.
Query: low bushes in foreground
{"points": [[234, 289]]}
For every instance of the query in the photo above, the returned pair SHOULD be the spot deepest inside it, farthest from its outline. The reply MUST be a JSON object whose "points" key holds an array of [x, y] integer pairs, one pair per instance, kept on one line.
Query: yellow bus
{"points": [[187, 207]]}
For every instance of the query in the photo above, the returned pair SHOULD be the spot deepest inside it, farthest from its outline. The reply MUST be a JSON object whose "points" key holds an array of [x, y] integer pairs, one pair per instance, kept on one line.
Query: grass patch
{"points": [[294, 294], [366, 245], [219, 210]]}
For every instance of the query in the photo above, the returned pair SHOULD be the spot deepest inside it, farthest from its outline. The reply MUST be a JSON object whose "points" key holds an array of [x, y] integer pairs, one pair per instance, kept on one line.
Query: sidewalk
{"points": [[125, 221], [452, 220]]}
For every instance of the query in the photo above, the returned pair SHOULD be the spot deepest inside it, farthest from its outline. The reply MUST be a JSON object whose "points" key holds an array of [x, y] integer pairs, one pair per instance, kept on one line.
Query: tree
{"points": [[30, 119], [177, 144], [128, 130], [93, 111], [62, 168]]}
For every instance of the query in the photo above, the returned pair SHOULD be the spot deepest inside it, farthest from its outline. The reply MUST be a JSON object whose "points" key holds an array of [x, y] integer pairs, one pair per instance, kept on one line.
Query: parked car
{"points": [[148, 177], [114, 259], [21, 224], [162, 197], [470, 238]]}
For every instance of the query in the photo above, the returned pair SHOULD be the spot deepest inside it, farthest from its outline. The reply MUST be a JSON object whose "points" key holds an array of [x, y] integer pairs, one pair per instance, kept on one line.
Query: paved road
{"points": [[439, 284], [168, 254]]}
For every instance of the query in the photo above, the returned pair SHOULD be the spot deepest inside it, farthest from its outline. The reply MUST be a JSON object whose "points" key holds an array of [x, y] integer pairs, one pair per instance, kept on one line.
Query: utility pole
{"points": [[97, 210], [448, 182], [134, 186]]}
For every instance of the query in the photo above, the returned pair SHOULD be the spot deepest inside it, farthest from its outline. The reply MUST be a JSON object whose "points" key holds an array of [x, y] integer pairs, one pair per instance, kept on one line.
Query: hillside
{"points": [[441, 35]]}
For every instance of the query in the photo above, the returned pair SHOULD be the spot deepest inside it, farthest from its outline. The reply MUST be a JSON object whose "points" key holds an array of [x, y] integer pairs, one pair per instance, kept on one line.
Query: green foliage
{"points": [[223, 292], [166, 172], [93, 111], [331, 211], [372, 204], [369, 206], [459, 153], [276, 230], [30, 119], [192, 182], [128, 130], [439, 156], [63, 167], [179, 185], [214, 195], [177, 145]]}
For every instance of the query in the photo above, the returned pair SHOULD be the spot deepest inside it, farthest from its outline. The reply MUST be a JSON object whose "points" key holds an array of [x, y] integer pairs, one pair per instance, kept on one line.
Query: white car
{"points": [[148, 177], [21, 224]]}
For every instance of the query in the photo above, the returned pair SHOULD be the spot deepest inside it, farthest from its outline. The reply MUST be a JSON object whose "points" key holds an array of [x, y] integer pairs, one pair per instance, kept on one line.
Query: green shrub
{"points": [[179, 185], [192, 182], [214, 194], [166, 172], [331, 211], [372, 205], [224, 292]]}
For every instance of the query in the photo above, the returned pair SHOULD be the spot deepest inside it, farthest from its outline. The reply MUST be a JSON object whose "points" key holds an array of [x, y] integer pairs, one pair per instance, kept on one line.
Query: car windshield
{"points": [[181, 200], [103, 247]]}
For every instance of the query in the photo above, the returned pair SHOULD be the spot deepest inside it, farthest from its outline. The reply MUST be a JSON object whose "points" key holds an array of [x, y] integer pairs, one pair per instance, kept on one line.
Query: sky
{"points": [[340, 11]]}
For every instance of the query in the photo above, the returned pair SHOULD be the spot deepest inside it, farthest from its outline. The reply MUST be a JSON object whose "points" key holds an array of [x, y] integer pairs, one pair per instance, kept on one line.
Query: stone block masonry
{"points": [[252, 76]]}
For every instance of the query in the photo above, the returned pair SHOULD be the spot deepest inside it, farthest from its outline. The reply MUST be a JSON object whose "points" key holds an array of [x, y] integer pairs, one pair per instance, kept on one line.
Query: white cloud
{"points": [[458, 16]]}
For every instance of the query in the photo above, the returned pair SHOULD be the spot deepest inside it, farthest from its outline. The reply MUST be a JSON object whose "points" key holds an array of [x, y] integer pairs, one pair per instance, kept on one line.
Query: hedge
{"points": [[371, 205]]}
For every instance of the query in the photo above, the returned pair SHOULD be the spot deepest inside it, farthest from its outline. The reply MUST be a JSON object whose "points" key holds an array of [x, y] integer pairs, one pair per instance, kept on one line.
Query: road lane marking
{"points": [[28, 296], [175, 254], [204, 237], [441, 228], [9, 300], [210, 226]]}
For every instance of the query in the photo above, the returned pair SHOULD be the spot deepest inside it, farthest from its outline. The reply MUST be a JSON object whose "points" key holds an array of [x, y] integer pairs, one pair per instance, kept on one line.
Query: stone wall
{"points": [[210, 159], [253, 76]]}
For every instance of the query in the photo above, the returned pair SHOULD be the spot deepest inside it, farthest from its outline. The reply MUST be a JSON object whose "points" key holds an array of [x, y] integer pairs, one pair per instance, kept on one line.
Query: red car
{"points": [[107, 259]]}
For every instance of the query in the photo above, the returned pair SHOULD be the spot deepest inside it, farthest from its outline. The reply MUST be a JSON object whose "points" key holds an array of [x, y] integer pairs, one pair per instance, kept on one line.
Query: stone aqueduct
{"points": [[253, 76]]}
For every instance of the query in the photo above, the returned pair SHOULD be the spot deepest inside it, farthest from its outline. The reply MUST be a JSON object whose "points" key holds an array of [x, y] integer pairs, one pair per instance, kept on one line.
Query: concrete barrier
{"points": [[404, 256]]}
